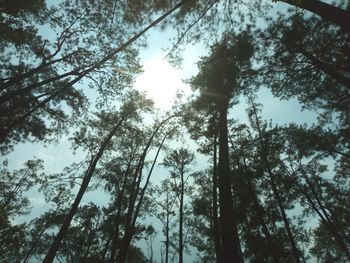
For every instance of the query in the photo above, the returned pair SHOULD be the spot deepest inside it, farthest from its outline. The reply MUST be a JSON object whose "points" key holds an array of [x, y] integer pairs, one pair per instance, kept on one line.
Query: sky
{"points": [[161, 81]]}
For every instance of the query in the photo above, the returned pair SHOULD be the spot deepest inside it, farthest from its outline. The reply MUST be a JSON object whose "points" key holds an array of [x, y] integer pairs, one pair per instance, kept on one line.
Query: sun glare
{"points": [[161, 82]]}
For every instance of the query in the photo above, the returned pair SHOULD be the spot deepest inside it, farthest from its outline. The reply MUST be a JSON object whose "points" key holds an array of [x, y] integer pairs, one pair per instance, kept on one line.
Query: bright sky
{"points": [[161, 82]]}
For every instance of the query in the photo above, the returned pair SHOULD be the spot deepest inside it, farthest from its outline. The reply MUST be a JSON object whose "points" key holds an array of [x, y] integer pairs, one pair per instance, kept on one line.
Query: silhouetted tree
{"points": [[220, 78]]}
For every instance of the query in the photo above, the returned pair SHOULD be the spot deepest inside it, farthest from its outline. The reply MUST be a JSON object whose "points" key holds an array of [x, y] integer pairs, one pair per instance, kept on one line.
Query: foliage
{"points": [[279, 192]]}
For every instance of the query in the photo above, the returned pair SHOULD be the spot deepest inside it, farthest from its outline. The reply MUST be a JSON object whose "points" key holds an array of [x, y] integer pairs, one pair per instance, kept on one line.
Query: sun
{"points": [[161, 82]]}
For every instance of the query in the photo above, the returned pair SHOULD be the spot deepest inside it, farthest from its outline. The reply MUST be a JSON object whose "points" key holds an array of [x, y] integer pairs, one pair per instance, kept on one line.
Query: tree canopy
{"points": [[204, 181]]}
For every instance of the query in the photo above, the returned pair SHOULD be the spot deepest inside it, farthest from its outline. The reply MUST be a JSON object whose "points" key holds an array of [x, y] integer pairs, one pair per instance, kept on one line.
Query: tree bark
{"points": [[229, 232], [328, 12]]}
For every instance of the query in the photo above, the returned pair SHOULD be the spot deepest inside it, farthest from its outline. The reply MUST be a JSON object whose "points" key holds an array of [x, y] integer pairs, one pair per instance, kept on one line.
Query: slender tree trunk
{"points": [[34, 245], [216, 230], [322, 212], [86, 180], [181, 211], [326, 222], [264, 154], [229, 233], [130, 220], [167, 230], [151, 252], [328, 12], [116, 231], [90, 240], [259, 210], [118, 216], [290, 235]]}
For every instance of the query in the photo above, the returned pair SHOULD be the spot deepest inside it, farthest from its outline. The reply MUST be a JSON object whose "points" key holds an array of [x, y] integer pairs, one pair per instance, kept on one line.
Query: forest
{"points": [[199, 181]]}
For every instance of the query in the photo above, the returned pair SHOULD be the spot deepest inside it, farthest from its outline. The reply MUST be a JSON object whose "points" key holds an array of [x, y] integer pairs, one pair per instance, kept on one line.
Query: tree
{"points": [[14, 203], [151, 234], [30, 95], [179, 160], [15, 184], [166, 213], [129, 110], [317, 78], [133, 207], [265, 159], [221, 77], [306, 169], [258, 220], [270, 180], [201, 223]]}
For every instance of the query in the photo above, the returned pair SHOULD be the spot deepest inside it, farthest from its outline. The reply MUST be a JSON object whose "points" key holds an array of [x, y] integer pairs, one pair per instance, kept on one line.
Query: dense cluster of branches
{"points": [[269, 192]]}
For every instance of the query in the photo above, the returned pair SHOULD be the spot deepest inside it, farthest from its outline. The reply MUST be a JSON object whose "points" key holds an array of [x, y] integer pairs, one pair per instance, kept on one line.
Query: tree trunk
{"points": [[118, 216], [130, 220], [326, 68], [328, 12], [167, 230], [90, 240], [327, 222], [216, 230], [86, 180], [264, 154], [290, 235], [34, 244], [106, 246], [229, 233], [181, 246], [325, 217], [259, 210]]}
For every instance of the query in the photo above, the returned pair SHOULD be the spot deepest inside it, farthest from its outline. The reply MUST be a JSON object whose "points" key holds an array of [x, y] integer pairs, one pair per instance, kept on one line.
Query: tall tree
{"points": [[164, 202], [127, 112], [221, 77], [178, 161], [137, 193]]}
